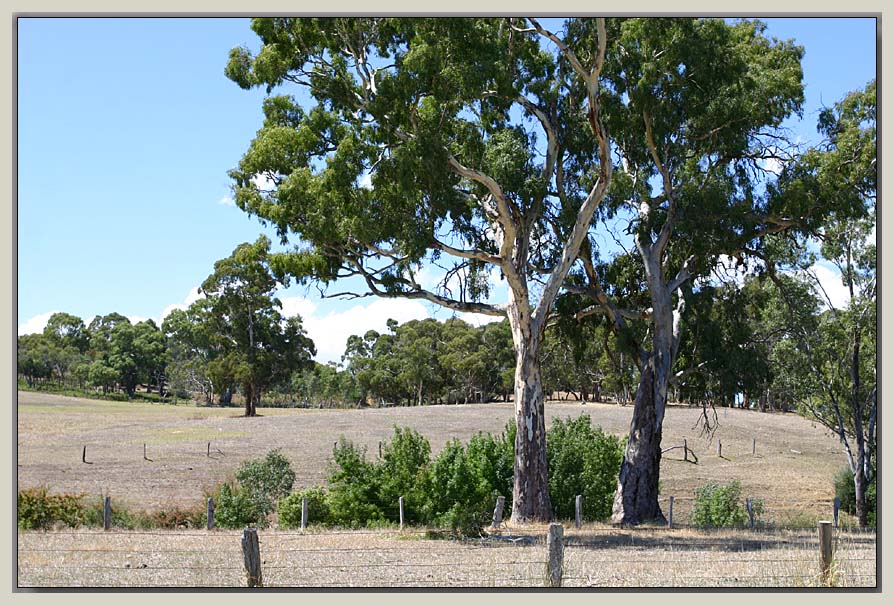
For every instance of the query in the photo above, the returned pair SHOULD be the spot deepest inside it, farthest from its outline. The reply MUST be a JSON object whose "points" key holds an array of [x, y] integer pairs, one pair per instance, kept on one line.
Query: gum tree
{"points": [[477, 145], [695, 116]]}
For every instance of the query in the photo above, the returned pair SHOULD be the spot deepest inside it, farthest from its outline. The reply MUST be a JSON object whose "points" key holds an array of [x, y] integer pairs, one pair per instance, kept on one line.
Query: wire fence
{"points": [[592, 557]]}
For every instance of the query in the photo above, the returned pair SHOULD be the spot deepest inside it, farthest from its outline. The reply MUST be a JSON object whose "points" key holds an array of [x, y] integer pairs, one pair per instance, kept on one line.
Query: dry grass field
{"points": [[595, 557], [52, 430], [796, 489]]}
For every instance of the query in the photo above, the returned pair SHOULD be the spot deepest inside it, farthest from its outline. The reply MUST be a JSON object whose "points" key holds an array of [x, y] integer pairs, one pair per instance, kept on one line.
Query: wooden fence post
{"points": [[107, 513], [685, 451], [556, 555], [400, 505], [209, 450], [498, 511], [719, 449], [303, 513], [251, 555], [578, 511], [753, 446], [750, 507], [670, 513], [825, 540], [836, 506], [210, 513]]}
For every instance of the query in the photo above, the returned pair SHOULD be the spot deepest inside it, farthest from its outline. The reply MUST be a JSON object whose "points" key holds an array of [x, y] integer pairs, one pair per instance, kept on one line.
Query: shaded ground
{"points": [[52, 430]]}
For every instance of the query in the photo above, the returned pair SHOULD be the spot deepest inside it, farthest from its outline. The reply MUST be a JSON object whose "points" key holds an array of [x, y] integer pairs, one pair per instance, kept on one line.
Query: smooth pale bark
{"points": [[530, 493]]}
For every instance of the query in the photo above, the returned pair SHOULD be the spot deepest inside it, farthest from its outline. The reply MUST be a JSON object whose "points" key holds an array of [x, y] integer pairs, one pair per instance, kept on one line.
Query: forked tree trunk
{"points": [[636, 497]]}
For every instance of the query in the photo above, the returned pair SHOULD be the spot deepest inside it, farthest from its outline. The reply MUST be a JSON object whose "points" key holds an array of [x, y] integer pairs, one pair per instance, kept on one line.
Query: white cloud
{"points": [[366, 181], [36, 324], [263, 182], [330, 332], [830, 279], [771, 164], [135, 319], [192, 297], [227, 201]]}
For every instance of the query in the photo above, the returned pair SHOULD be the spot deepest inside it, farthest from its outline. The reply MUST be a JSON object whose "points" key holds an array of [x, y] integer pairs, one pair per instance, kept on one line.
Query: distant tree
{"points": [[33, 358], [841, 352], [258, 346]]}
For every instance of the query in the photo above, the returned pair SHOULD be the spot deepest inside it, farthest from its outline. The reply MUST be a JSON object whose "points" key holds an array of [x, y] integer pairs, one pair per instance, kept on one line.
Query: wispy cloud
{"points": [[227, 201]]}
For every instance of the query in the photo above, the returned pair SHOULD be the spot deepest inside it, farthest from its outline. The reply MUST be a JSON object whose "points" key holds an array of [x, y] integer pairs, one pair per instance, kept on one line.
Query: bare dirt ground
{"points": [[52, 430], [595, 556]]}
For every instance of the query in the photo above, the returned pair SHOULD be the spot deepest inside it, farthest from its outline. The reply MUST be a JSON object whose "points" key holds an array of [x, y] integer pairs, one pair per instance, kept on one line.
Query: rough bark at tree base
{"points": [[636, 497]]}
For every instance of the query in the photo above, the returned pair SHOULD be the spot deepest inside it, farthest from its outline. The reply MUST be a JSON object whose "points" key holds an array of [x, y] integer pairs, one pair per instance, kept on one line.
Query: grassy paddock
{"points": [[52, 430], [595, 556]]}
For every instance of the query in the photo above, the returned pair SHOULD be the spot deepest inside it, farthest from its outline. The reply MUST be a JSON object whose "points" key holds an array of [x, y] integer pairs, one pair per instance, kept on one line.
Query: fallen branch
{"points": [[688, 451]]}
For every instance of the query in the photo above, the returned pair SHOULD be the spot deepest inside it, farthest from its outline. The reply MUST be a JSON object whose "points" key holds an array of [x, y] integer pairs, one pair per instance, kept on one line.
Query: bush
{"points": [[466, 481], [37, 509], [582, 460], [318, 512], [846, 493], [266, 481], [353, 487], [235, 508], [260, 483], [719, 505], [402, 472]]}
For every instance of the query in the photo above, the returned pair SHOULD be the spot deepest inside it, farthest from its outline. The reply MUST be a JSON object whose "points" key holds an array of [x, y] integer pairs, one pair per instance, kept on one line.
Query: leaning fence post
{"points": [[210, 513], [670, 513], [556, 555], [836, 506], [251, 555], [578, 511], [400, 505], [685, 452], [825, 539], [498, 511], [750, 507], [107, 513], [753, 446], [303, 513]]}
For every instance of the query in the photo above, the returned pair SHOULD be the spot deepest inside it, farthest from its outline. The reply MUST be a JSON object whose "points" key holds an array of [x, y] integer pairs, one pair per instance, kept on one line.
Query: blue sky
{"points": [[126, 131]]}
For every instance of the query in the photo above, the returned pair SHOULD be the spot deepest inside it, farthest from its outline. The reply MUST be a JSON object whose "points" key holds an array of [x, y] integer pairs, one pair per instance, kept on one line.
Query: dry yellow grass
{"points": [[796, 487], [595, 556]]}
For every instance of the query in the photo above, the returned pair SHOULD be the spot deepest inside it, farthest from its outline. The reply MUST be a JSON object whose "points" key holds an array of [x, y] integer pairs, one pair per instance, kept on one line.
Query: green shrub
{"points": [[235, 508], [353, 487], [37, 509], [461, 498], [719, 505], [266, 480], [846, 492], [582, 460], [318, 513], [402, 472], [260, 483]]}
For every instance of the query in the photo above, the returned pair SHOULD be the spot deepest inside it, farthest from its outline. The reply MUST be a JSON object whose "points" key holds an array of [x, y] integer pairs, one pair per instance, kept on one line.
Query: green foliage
{"points": [[582, 460], [721, 505], [38, 509], [353, 487], [235, 508], [402, 472], [318, 512], [846, 492], [260, 483]]}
